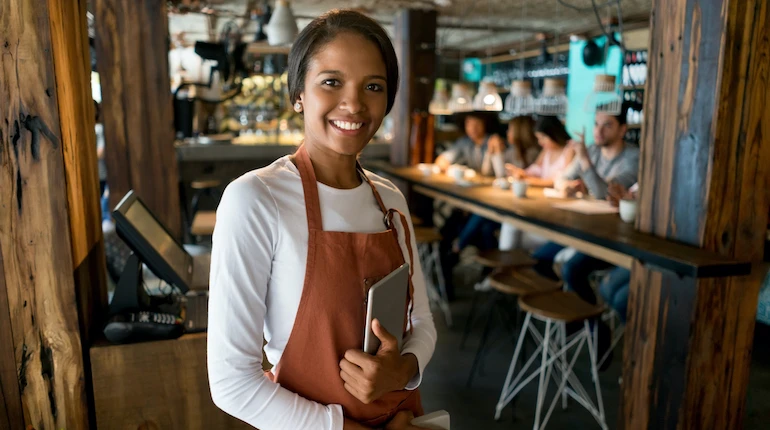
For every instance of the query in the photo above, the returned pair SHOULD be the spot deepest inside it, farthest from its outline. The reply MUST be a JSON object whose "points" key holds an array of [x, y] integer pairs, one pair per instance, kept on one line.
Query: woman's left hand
{"points": [[368, 377]]}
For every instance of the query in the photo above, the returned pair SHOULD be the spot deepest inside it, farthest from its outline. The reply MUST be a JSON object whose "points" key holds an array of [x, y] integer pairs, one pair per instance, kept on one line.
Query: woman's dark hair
{"points": [[326, 27], [552, 127]]}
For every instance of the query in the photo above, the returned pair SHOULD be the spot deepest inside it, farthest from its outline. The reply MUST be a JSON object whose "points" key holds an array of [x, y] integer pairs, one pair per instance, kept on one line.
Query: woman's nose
{"points": [[353, 102]]}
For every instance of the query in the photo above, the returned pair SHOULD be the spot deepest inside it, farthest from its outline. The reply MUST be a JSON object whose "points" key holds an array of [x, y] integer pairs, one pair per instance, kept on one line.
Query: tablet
{"points": [[386, 301]]}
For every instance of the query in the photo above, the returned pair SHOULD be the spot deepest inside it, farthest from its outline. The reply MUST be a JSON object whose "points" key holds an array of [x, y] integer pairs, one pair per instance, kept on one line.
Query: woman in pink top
{"points": [[556, 155]]}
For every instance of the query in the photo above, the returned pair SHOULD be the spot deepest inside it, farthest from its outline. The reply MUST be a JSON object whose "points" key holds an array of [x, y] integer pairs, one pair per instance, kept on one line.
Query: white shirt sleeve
{"points": [[243, 247], [422, 341]]}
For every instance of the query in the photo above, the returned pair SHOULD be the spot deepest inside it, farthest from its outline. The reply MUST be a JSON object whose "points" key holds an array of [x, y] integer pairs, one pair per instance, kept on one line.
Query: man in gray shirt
{"points": [[610, 159]]}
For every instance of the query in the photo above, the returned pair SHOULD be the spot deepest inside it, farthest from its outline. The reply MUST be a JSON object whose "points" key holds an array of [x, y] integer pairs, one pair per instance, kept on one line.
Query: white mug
{"points": [[425, 168], [519, 189], [628, 210], [457, 172]]}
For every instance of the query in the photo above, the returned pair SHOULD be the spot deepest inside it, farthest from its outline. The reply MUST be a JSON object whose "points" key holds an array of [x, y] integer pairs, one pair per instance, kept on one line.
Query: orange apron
{"points": [[341, 267]]}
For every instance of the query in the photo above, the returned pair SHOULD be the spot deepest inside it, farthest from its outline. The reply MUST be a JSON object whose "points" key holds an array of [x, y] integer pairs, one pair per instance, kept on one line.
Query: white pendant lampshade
{"points": [[553, 99], [439, 105], [605, 97], [462, 99], [282, 28], [488, 99], [521, 101]]}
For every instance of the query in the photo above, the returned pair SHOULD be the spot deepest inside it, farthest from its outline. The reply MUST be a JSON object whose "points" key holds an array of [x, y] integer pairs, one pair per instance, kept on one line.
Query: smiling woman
{"points": [[298, 242]]}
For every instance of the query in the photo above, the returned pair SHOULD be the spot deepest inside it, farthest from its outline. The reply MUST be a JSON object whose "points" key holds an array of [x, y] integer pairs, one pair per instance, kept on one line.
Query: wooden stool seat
{"points": [[522, 281], [416, 220], [497, 259], [427, 235], [204, 184], [563, 306], [203, 223]]}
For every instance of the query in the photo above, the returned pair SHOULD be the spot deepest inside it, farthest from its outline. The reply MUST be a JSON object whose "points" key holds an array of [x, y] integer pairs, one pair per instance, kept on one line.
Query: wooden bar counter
{"points": [[603, 236]]}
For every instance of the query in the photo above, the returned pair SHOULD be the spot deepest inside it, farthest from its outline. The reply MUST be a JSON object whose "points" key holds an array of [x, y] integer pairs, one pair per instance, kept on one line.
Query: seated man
{"points": [[610, 159]]}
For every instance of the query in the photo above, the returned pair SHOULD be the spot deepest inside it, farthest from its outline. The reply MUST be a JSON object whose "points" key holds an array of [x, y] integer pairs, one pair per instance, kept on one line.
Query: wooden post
{"points": [[38, 312], [132, 61], [705, 180], [415, 44]]}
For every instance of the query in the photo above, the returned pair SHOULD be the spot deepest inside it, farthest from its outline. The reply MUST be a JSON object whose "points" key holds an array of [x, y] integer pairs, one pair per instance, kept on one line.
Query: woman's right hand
{"points": [[402, 421]]}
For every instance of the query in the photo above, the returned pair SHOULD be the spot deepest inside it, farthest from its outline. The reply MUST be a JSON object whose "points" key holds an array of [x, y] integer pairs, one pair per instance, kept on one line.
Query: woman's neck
{"points": [[333, 169]]}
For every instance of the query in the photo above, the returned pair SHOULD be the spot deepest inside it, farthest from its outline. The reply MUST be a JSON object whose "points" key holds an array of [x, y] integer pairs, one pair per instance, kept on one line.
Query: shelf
{"points": [[634, 126], [564, 47], [631, 87], [261, 48]]}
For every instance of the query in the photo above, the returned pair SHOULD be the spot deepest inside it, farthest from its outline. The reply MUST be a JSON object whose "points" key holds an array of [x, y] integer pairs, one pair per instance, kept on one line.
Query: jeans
{"points": [[479, 230], [614, 291], [575, 272]]}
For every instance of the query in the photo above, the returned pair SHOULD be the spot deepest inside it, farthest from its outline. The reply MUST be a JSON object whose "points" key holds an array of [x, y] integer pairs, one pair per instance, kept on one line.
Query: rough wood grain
{"points": [[156, 385], [34, 225], [72, 64], [132, 60], [705, 181], [11, 415]]}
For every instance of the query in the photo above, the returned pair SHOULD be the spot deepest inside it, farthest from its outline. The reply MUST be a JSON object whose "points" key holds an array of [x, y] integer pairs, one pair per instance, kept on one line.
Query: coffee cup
{"points": [[519, 188], [425, 168], [457, 173], [627, 210], [502, 183]]}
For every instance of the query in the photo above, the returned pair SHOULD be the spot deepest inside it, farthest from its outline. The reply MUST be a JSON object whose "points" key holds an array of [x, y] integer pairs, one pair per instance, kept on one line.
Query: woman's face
{"points": [[546, 142], [345, 96]]}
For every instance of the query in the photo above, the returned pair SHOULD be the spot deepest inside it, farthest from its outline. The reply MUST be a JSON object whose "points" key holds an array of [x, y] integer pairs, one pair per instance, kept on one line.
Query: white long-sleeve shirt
{"points": [[257, 274]]}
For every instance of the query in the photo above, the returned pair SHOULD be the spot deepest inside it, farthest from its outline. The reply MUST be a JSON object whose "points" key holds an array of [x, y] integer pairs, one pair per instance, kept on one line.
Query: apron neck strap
{"points": [[374, 190], [310, 188]]}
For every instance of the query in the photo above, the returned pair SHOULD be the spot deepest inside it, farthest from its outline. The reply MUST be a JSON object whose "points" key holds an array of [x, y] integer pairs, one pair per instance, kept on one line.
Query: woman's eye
{"points": [[330, 82], [374, 87]]}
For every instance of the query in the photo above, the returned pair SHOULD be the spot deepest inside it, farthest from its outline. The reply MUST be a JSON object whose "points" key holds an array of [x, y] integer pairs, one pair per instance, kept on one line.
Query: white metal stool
{"points": [[428, 240], [555, 309]]}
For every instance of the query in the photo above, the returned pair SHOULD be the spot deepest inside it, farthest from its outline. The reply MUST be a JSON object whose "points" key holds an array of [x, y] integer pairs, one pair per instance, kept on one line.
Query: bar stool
{"points": [[555, 309], [493, 260], [506, 284], [200, 188], [428, 240]]}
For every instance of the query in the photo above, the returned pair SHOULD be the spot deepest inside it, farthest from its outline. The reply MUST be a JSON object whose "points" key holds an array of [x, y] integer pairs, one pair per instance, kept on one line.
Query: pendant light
{"points": [[282, 28], [521, 101], [553, 99], [462, 98], [604, 98], [488, 99], [439, 105]]}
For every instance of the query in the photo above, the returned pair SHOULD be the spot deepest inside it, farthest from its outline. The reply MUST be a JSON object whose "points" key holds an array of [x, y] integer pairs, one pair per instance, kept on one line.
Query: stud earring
{"points": [[298, 107]]}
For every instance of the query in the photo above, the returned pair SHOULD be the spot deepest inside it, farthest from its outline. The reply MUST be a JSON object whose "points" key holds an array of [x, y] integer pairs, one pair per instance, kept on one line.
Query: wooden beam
{"points": [[35, 246], [72, 64], [705, 181], [414, 41], [132, 60]]}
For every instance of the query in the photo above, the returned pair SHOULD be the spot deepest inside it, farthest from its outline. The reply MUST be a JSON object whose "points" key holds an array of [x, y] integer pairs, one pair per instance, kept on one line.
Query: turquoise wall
{"points": [[581, 82]]}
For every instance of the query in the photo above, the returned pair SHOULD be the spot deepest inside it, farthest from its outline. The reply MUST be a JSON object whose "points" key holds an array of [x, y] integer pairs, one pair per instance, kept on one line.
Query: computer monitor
{"points": [[152, 242]]}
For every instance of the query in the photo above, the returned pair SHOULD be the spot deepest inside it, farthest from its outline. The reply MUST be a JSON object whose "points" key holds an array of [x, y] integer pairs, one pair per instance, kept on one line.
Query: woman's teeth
{"points": [[348, 125]]}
